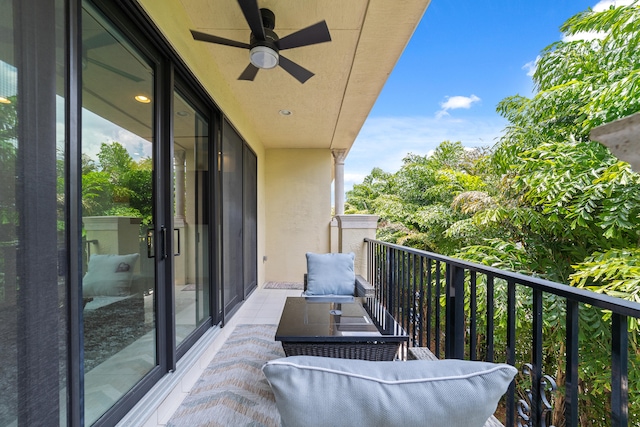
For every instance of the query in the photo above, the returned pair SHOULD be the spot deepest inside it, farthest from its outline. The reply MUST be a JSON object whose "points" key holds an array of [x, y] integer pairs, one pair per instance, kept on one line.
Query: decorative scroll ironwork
{"points": [[547, 386]]}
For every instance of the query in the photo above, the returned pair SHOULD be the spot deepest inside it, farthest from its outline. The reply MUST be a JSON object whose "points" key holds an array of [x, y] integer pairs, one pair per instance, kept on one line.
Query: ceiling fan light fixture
{"points": [[263, 57]]}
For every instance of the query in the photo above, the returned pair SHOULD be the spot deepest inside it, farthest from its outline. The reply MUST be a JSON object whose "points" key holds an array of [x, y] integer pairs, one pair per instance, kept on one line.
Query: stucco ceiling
{"points": [[368, 37]]}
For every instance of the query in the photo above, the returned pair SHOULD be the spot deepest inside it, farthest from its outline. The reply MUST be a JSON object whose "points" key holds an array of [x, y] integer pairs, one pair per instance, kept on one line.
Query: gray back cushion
{"points": [[330, 274], [341, 392]]}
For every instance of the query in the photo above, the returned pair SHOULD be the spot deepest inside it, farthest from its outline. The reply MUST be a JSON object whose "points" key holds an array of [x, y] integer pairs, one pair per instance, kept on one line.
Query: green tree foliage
{"points": [[416, 204], [546, 200]]}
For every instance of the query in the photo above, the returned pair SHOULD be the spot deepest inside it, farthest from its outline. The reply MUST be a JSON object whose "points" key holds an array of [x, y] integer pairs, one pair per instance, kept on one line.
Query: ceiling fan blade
{"points": [[249, 73], [252, 14], [300, 73], [317, 33], [204, 37], [115, 70]]}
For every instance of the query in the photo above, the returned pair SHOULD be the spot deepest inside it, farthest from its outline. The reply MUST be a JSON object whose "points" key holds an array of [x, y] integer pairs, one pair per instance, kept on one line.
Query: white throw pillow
{"points": [[109, 275], [330, 274], [340, 392]]}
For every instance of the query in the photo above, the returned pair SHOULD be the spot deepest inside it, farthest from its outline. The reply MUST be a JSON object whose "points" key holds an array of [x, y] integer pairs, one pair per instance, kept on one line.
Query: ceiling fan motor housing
{"points": [[264, 53], [270, 41], [268, 19]]}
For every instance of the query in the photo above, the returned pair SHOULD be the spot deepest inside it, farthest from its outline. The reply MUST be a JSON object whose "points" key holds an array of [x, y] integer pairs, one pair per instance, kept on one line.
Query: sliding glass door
{"points": [[232, 211], [123, 211], [250, 220], [239, 169], [33, 273], [191, 217], [122, 240]]}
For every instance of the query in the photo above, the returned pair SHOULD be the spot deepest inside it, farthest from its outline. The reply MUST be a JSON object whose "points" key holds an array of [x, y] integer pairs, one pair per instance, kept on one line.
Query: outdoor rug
{"points": [[233, 391], [283, 285]]}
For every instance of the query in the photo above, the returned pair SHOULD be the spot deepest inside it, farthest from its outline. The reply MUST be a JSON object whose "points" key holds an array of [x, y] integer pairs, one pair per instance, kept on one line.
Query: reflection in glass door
{"points": [[191, 228], [117, 214], [9, 225]]}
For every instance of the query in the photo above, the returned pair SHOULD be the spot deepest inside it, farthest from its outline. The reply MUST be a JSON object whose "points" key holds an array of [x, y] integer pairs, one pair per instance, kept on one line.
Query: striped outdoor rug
{"points": [[233, 391], [284, 285]]}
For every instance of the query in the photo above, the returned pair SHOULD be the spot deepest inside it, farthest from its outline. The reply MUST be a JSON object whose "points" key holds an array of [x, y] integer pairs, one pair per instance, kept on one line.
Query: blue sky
{"points": [[464, 57]]}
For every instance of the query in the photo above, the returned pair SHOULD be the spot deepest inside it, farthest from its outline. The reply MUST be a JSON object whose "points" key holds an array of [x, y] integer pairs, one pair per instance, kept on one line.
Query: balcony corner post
{"points": [[352, 231]]}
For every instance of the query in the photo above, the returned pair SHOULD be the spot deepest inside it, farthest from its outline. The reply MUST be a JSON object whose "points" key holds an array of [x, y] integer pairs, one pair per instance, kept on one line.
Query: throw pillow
{"points": [[330, 274], [335, 392], [109, 275]]}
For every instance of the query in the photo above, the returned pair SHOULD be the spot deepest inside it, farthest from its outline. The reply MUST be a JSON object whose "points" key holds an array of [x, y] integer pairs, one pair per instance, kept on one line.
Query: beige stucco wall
{"points": [[298, 210], [169, 16]]}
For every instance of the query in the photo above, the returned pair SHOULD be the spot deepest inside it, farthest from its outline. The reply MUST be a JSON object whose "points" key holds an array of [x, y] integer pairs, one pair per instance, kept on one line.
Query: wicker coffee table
{"points": [[338, 327]]}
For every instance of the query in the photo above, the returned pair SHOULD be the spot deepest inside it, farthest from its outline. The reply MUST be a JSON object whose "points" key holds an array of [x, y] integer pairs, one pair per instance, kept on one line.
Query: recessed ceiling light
{"points": [[4, 100], [182, 113], [143, 99], [285, 112]]}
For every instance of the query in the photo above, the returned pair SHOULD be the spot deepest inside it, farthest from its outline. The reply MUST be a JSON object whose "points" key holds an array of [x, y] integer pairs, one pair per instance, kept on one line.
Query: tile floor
{"points": [[264, 306]]}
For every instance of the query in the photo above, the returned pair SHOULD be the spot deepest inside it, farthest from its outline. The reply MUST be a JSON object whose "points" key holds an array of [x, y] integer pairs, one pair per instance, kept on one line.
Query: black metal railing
{"points": [[469, 311]]}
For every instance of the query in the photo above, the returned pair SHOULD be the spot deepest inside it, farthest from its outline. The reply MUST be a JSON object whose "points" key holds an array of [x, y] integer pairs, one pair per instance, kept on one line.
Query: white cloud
{"points": [[384, 141], [531, 66], [455, 102]]}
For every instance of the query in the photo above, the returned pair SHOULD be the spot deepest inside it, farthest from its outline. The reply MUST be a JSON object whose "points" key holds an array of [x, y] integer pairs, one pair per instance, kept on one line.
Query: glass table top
{"points": [[333, 319]]}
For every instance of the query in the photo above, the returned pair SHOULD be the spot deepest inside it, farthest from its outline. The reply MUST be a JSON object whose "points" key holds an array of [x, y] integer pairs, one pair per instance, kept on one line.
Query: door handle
{"points": [[163, 232], [150, 248], [177, 242]]}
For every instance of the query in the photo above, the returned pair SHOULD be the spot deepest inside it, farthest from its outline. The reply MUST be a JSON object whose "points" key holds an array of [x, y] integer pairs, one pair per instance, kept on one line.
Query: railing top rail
{"points": [[616, 305]]}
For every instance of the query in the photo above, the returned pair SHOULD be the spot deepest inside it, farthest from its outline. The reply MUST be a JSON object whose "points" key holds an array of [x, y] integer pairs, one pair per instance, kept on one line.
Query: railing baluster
{"points": [[397, 276], [389, 276], [536, 356], [619, 368], [414, 304], [454, 332], [430, 322], [473, 308], [421, 305], [437, 305], [399, 283], [571, 380], [490, 319], [403, 288], [409, 297], [407, 293], [511, 349]]}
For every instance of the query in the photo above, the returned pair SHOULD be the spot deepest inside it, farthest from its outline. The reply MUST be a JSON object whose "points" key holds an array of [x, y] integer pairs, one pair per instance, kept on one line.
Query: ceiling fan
{"points": [[265, 45]]}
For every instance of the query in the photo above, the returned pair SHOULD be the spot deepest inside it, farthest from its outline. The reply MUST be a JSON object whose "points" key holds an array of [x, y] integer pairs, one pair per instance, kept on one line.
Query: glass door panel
{"points": [[250, 227], [191, 213], [117, 214]]}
